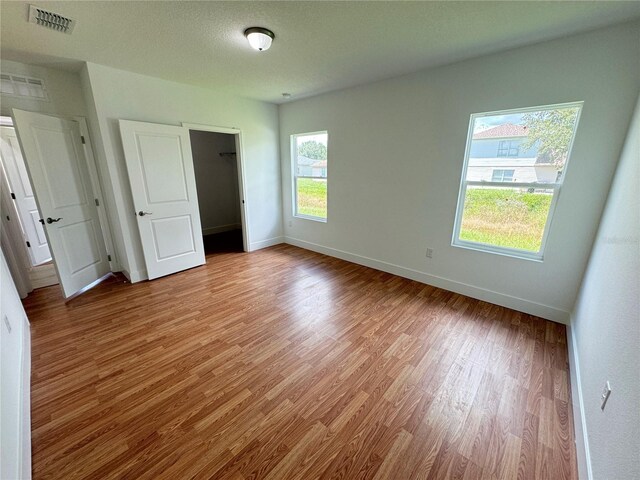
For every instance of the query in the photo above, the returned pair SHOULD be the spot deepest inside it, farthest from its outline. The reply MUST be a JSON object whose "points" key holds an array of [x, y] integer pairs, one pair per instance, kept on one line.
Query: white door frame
{"points": [[103, 217], [12, 240], [237, 133]]}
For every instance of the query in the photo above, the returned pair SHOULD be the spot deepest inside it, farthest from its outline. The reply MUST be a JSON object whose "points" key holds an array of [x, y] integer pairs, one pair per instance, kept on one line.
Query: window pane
{"points": [[311, 174], [534, 144], [312, 197], [505, 217]]}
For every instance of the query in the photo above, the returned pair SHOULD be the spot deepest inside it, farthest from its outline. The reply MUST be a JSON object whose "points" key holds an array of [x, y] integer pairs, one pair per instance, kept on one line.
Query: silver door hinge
{"points": [[28, 244], [13, 195], [82, 138], [97, 203], [109, 257]]}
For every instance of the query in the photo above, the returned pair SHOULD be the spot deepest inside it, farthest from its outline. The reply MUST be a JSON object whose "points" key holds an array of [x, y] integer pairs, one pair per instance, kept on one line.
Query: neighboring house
{"points": [[497, 155], [319, 169], [304, 166], [311, 167]]}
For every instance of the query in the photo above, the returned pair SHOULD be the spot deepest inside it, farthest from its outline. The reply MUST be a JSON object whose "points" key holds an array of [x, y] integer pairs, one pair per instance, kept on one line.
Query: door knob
{"points": [[142, 214], [53, 220]]}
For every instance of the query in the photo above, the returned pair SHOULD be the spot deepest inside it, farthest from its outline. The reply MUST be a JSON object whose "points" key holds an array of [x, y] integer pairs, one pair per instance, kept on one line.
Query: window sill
{"points": [[309, 217], [484, 248]]}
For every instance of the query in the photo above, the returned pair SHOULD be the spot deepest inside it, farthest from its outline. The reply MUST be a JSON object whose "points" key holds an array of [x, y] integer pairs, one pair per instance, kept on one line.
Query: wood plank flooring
{"points": [[287, 364], [43, 275]]}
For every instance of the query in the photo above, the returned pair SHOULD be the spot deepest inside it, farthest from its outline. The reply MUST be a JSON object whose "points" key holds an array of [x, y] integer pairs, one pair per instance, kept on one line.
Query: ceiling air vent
{"points": [[51, 20]]}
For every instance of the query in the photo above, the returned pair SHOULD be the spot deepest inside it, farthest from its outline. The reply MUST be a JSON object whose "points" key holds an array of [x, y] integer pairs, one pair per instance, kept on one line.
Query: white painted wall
{"points": [[605, 328], [216, 180], [63, 90], [15, 386], [396, 150], [116, 94]]}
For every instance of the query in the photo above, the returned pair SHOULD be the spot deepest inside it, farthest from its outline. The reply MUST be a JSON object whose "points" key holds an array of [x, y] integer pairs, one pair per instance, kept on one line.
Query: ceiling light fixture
{"points": [[259, 38]]}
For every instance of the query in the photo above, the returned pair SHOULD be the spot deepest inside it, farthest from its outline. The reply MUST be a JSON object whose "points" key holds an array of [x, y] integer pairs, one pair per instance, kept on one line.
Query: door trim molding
{"points": [[241, 168], [103, 215]]}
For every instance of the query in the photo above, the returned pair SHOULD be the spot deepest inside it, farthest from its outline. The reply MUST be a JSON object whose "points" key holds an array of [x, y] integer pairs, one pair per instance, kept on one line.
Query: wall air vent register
{"points": [[22, 86]]}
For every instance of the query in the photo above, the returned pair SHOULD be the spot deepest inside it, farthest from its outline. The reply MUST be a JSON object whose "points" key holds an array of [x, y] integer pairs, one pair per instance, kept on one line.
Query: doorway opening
{"points": [[218, 172], [20, 212], [68, 205]]}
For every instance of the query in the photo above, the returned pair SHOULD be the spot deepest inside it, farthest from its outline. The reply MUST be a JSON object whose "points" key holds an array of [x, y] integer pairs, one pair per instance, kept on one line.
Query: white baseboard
{"points": [[135, 276], [515, 303], [269, 242], [579, 420], [221, 229], [126, 273]]}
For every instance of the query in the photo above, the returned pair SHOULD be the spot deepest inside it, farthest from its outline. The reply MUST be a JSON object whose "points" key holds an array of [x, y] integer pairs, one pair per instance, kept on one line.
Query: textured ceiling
{"points": [[319, 46]]}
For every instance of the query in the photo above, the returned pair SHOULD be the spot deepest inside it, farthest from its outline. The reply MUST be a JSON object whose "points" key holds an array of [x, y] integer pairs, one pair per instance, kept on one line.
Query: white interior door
{"points": [[22, 195], [163, 186], [59, 174]]}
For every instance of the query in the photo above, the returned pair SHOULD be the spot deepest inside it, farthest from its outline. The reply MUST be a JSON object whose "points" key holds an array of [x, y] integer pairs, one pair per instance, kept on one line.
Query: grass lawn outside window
{"points": [[513, 218], [312, 197]]}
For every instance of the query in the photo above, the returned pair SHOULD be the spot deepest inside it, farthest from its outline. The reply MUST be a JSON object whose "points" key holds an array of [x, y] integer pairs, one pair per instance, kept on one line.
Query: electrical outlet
{"points": [[7, 323], [429, 252], [606, 391]]}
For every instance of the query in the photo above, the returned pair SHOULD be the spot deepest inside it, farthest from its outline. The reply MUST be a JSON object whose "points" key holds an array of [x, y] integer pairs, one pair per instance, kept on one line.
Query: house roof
{"points": [[320, 164], [305, 161], [502, 131]]}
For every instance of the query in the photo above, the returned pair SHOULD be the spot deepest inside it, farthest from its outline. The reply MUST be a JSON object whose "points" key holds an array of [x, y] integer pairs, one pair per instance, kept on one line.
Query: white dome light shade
{"points": [[259, 38]]}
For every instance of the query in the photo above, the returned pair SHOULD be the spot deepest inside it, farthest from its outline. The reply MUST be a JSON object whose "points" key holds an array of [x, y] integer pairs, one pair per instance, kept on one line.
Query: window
{"points": [[502, 175], [309, 156], [497, 214], [508, 148]]}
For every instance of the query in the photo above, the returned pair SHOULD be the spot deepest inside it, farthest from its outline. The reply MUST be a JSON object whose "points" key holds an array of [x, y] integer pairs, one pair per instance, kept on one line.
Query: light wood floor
{"points": [[43, 275], [285, 364]]}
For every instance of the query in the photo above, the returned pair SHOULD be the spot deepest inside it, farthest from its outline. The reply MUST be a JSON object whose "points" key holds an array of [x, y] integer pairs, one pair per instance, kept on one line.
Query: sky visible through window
{"points": [[486, 123], [320, 138]]}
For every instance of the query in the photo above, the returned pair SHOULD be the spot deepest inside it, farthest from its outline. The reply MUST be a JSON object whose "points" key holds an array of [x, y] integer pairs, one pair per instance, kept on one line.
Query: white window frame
{"points": [[294, 175], [556, 187]]}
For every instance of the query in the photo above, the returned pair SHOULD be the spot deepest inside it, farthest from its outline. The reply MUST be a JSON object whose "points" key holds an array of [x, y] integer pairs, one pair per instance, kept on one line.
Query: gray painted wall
{"points": [[606, 326], [396, 150], [63, 89]]}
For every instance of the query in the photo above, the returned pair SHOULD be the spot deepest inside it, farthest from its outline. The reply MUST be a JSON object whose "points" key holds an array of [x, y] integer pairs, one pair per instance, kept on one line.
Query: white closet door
{"points": [[59, 174], [163, 186]]}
